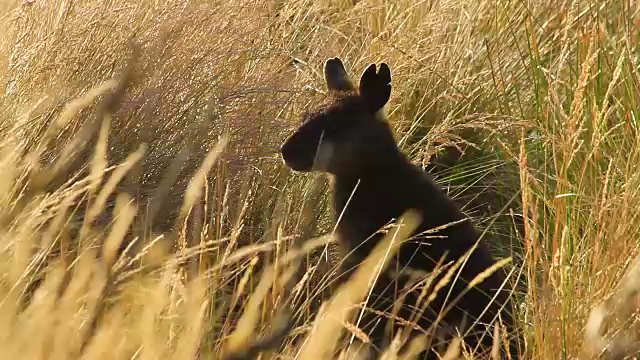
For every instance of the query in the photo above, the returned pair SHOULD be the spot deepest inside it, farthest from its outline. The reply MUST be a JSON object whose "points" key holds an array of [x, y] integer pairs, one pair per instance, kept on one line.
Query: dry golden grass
{"points": [[153, 126]]}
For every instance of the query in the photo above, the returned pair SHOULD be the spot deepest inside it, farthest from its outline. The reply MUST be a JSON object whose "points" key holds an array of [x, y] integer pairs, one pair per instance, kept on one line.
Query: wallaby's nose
{"points": [[281, 150], [294, 157], [284, 149], [285, 153]]}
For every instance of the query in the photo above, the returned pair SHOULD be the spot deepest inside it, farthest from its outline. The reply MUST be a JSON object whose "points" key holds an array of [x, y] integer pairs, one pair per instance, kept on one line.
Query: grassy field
{"points": [[154, 126]]}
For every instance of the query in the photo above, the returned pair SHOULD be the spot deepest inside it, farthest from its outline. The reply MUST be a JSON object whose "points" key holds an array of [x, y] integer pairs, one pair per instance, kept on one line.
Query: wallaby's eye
{"points": [[340, 126], [333, 129]]}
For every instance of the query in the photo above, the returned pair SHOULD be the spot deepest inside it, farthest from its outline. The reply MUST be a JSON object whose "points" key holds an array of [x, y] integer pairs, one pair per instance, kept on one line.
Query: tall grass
{"points": [[145, 212]]}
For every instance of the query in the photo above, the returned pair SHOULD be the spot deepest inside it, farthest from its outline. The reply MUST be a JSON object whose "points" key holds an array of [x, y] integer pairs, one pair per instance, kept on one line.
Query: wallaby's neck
{"points": [[392, 164], [384, 178]]}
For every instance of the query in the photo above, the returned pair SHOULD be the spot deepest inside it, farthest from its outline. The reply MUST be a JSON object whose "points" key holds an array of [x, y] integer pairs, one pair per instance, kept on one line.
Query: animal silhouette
{"points": [[373, 183]]}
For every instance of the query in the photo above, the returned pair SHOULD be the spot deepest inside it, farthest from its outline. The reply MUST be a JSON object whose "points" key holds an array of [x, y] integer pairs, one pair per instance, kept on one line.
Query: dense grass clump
{"points": [[145, 212]]}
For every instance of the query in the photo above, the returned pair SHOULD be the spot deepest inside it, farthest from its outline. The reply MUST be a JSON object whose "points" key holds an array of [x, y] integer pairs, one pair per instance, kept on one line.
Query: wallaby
{"points": [[373, 183]]}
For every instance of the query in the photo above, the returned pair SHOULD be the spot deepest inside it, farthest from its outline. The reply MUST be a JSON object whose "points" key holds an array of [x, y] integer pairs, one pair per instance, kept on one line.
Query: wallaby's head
{"points": [[347, 135]]}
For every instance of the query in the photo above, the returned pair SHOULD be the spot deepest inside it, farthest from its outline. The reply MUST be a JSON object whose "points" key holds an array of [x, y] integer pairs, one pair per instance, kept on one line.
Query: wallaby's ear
{"points": [[336, 76], [375, 88]]}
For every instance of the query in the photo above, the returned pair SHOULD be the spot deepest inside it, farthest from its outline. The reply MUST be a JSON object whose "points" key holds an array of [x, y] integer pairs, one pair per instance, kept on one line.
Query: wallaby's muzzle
{"points": [[297, 154]]}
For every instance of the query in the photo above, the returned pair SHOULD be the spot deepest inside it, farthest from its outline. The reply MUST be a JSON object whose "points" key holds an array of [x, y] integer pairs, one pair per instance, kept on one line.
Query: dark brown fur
{"points": [[373, 184]]}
